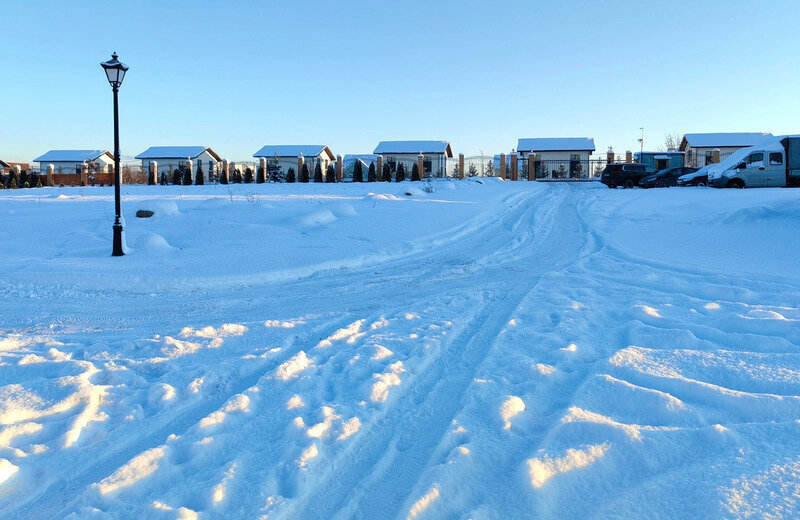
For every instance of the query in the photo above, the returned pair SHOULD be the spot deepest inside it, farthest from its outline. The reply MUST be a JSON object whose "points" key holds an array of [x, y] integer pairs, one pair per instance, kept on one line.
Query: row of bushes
{"points": [[23, 180]]}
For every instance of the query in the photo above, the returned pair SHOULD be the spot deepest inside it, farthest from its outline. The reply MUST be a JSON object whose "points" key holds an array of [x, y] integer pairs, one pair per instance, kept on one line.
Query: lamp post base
{"points": [[118, 241]]}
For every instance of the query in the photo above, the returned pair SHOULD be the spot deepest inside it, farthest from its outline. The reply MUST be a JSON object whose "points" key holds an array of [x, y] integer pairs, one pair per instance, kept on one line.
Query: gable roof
{"points": [[415, 147], [72, 155], [294, 150], [176, 152], [555, 144], [3, 164], [722, 139], [366, 158]]}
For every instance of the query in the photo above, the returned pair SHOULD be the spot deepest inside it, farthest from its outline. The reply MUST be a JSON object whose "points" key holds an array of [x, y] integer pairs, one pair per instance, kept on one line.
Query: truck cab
{"points": [[772, 164]]}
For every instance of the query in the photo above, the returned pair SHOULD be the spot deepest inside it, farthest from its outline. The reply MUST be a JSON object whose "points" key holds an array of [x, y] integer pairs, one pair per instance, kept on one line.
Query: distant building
{"points": [[71, 161], [349, 163], [660, 160], [179, 156], [557, 156], [699, 148], [285, 156], [434, 161]]}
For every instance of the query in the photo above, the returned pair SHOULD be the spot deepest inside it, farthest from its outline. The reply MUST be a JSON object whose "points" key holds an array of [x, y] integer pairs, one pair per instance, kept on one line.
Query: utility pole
{"points": [[641, 140]]}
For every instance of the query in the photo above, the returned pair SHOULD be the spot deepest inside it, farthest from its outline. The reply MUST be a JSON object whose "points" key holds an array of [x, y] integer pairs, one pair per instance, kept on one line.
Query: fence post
{"points": [[628, 156], [191, 169], [503, 166], [339, 169], [461, 166], [300, 162], [262, 163], [223, 176], [85, 174], [532, 166], [610, 155], [379, 166], [419, 166], [50, 169], [154, 171], [715, 156], [514, 158]]}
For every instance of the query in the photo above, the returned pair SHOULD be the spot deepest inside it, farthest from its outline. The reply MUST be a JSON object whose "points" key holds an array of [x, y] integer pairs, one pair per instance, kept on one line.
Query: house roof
{"points": [[556, 144], [415, 147], [365, 158], [176, 152], [71, 155], [294, 150], [3, 164], [722, 139]]}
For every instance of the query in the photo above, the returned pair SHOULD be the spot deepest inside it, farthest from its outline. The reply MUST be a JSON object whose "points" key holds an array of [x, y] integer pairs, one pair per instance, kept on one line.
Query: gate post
{"points": [[514, 166], [85, 174], [628, 156], [339, 169], [153, 172], [419, 166], [715, 156], [610, 155], [262, 163], [532, 166], [300, 162], [50, 169], [461, 166], [379, 167], [503, 166], [191, 170]]}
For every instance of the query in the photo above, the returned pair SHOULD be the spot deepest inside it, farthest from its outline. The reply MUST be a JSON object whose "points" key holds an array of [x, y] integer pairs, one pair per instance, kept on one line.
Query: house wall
{"points": [[552, 161], [291, 162], [698, 155], [106, 165], [438, 162], [163, 164]]}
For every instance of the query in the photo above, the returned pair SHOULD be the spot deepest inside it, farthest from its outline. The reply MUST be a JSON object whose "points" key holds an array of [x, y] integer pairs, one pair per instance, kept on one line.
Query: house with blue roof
{"points": [[71, 161], [171, 158], [285, 156], [556, 156], [435, 155], [699, 148]]}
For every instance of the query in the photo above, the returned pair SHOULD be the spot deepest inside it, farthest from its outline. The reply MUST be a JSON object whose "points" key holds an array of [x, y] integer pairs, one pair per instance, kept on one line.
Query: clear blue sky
{"points": [[238, 75]]}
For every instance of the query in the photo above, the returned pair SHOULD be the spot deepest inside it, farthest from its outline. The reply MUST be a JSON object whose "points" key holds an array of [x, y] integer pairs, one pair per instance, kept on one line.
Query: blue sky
{"points": [[238, 75]]}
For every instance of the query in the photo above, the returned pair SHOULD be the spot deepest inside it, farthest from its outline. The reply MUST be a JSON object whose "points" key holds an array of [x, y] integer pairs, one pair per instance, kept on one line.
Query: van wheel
{"points": [[628, 183], [736, 183]]}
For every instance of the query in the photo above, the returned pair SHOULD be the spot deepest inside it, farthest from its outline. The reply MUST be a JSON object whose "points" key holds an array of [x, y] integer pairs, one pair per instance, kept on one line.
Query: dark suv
{"points": [[626, 175]]}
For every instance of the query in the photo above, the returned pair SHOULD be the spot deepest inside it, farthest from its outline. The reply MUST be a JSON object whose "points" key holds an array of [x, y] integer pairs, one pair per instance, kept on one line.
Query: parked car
{"points": [[626, 175], [666, 177], [698, 178], [774, 162]]}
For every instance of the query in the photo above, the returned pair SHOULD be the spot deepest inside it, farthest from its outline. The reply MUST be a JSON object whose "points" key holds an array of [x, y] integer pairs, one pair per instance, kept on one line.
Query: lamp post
{"points": [[115, 72]]}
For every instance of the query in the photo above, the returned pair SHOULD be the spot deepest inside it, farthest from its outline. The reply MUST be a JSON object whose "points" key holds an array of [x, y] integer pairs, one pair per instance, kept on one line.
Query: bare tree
{"points": [[672, 140]]}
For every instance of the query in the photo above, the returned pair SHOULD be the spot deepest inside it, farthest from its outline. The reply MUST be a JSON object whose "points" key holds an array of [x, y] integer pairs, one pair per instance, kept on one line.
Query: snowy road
{"points": [[525, 359]]}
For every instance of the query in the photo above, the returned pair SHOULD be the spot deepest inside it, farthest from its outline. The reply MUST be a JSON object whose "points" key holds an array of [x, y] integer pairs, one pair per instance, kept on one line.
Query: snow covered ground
{"points": [[489, 350]]}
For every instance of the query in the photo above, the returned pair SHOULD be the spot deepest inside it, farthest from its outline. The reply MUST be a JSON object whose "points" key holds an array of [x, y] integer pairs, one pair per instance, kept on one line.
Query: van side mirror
{"points": [[741, 166]]}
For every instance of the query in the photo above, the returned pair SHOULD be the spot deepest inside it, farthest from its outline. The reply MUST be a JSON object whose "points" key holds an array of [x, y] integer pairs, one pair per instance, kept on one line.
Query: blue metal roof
{"points": [[555, 144], [723, 139], [174, 152], [415, 147], [293, 150], [70, 155]]}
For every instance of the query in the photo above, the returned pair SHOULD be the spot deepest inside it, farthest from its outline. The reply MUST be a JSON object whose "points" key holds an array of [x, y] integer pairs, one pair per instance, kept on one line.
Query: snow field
{"points": [[484, 351]]}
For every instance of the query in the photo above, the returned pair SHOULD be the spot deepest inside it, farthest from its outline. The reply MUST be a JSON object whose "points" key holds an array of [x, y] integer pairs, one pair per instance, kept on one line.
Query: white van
{"points": [[773, 162]]}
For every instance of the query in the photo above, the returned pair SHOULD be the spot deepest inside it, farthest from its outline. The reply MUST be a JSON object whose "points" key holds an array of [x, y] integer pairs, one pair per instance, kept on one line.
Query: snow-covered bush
{"points": [[371, 175], [304, 173], [318, 173], [330, 174], [290, 175], [401, 173], [387, 173]]}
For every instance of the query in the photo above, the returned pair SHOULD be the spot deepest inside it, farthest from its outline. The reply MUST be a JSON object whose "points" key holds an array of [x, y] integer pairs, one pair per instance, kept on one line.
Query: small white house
{"points": [[71, 161], [557, 156], [179, 156], [434, 161], [285, 156], [700, 148]]}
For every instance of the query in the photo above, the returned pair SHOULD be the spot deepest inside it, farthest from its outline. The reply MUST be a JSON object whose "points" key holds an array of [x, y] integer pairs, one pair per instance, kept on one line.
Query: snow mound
{"points": [[214, 203], [542, 470], [341, 209], [318, 217], [6, 470], [380, 196], [159, 207], [153, 243]]}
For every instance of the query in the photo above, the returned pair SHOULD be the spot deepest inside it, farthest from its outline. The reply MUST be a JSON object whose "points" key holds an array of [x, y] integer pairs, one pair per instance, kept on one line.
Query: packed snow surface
{"points": [[480, 350]]}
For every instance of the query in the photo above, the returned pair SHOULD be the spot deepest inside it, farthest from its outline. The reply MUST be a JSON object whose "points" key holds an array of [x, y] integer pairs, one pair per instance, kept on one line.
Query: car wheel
{"points": [[736, 183], [628, 183], [611, 185], [701, 183], [660, 184]]}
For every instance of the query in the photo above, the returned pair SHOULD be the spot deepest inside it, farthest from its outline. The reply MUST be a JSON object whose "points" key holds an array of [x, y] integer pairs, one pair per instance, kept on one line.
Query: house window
{"points": [[709, 157], [775, 158]]}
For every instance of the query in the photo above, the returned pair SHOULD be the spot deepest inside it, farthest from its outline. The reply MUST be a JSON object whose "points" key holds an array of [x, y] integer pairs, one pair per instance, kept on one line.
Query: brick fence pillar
{"points": [[610, 155], [154, 171], [503, 166], [628, 156], [379, 166], [262, 163], [50, 171], [420, 157], [715, 156], [461, 166], [85, 173], [514, 157], [189, 166], [339, 169], [532, 166], [300, 162]]}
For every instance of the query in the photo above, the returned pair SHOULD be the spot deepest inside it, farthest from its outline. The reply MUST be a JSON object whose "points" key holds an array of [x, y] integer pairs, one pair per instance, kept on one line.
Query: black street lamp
{"points": [[115, 71]]}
